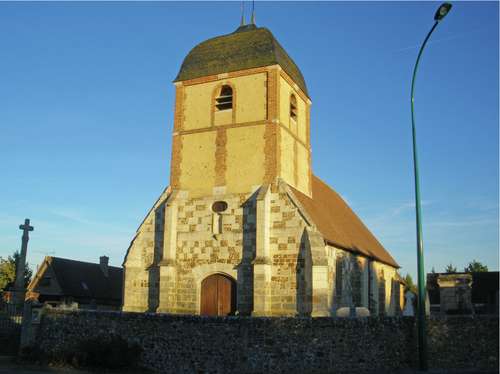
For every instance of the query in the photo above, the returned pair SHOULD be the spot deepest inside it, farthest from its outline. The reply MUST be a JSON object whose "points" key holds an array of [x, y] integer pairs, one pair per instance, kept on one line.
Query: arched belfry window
{"points": [[293, 107], [224, 101]]}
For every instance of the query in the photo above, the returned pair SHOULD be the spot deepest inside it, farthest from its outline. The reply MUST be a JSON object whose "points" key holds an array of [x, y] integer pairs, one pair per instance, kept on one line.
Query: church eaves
{"points": [[246, 48], [338, 224]]}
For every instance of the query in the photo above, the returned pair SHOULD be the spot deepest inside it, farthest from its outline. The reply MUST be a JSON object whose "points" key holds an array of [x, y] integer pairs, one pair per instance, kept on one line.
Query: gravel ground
{"points": [[7, 366]]}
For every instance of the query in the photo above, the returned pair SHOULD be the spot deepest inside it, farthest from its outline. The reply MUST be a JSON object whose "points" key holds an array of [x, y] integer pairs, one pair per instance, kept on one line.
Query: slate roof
{"points": [[70, 275], [338, 224], [246, 48]]}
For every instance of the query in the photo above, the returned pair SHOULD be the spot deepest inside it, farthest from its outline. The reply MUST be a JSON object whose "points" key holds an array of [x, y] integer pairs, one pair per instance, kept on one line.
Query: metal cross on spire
{"points": [[252, 17], [242, 22], [252, 20]]}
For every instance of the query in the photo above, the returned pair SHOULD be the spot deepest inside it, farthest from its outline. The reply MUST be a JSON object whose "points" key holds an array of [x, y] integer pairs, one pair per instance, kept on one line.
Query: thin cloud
{"points": [[440, 40], [465, 223], [407, 206], [75, 216]]}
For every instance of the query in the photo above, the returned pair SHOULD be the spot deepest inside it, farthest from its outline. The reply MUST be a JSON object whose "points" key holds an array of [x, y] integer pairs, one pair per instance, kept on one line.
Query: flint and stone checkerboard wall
{"points": [[193, 344]]}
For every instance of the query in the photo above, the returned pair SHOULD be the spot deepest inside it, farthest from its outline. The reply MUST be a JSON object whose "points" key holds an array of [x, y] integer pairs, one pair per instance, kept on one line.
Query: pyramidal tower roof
{"points": [[246, 48]]}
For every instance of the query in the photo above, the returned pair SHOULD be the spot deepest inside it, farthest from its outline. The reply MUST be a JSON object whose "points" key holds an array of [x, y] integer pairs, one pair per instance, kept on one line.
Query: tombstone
{"points": [[353, 312], [427, 304], [32, 314], [409, 310], [455, 292], [69, 305]]}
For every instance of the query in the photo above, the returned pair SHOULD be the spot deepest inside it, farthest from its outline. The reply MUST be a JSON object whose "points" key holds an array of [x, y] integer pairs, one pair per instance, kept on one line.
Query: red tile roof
{"points": [[338, 224]]}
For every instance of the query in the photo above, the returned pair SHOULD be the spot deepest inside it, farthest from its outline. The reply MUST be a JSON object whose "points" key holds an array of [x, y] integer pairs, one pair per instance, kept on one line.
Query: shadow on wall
{"points": [[356, 286], [338, 294], [395, 297], [153, 270], [245, 267], [303, 274], [381, 293]]}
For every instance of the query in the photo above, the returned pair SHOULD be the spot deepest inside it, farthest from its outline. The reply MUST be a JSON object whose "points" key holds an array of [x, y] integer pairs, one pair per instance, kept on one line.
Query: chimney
{"points": [[103, 263]]}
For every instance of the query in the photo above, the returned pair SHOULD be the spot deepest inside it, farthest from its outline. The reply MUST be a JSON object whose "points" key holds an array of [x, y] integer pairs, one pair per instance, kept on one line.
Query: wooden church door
{"points": [[218, 296]]}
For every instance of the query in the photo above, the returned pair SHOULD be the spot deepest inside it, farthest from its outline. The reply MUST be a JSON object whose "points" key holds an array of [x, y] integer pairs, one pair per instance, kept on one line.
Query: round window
{"points": [[219, 206]]}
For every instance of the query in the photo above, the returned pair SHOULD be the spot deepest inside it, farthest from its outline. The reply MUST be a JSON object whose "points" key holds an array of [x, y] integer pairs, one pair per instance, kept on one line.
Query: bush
{"points": [[112, 352], [31, 354], [9, 342]]}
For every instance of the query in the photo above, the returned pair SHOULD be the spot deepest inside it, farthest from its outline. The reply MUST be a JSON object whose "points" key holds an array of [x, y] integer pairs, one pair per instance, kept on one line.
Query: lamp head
{"points": [[442, 11]]}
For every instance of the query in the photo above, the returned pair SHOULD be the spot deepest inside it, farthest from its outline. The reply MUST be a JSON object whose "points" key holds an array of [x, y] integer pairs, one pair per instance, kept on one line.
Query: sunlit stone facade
{"points": [[244, 226]]}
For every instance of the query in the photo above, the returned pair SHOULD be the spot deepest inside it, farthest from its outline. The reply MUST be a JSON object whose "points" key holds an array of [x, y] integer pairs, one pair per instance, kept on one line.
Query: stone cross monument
{"points": [[19, 286]]}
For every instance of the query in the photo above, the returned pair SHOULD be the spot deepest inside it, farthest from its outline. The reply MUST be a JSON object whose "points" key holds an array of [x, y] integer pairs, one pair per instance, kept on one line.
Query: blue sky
{"points": [[86, 113]]}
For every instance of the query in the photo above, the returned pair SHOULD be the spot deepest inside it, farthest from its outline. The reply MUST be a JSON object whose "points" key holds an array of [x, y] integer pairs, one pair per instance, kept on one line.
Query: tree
{"points": [[8, 271], [475, 267], [410, 286], [450, 268]]}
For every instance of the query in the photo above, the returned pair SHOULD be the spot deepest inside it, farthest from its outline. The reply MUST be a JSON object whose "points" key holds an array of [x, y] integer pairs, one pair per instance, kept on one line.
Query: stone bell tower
{"points": [[240, 122], [244, 226]]}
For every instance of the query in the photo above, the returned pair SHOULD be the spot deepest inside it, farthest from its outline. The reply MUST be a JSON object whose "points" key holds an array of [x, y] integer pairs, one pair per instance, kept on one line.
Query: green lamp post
{"points": [[421, 322]]}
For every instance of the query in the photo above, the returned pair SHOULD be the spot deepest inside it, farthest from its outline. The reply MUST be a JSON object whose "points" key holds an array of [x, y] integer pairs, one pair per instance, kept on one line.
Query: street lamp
{"points": [[421, 322]]}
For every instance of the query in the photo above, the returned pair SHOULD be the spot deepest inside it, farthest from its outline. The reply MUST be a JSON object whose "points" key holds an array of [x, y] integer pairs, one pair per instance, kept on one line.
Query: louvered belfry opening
{"points": [[293, 107], [225, 99]]}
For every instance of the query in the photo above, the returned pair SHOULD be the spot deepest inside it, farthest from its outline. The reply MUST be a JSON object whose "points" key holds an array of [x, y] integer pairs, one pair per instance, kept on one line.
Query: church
{"points": [[245, 227]]}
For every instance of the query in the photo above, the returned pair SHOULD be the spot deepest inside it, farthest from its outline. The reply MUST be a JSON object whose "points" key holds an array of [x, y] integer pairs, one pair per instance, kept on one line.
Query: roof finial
{"points": [[242, 22], [252, 20]]}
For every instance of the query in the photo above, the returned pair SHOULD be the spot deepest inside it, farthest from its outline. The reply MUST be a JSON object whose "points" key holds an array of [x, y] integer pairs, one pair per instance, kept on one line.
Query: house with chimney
{"points": [[62, 282]]}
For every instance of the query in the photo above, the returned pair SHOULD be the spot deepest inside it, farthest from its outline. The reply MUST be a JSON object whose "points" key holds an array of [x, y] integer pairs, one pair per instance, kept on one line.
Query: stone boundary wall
{"points": [[194, 344]]}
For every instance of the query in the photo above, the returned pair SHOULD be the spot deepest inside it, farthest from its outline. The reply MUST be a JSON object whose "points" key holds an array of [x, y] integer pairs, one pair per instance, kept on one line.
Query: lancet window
{"points": [[293, 107]]}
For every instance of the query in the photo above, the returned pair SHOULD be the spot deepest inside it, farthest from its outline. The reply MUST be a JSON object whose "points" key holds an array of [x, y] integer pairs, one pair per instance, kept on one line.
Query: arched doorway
{"points": [[218, 295]]}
